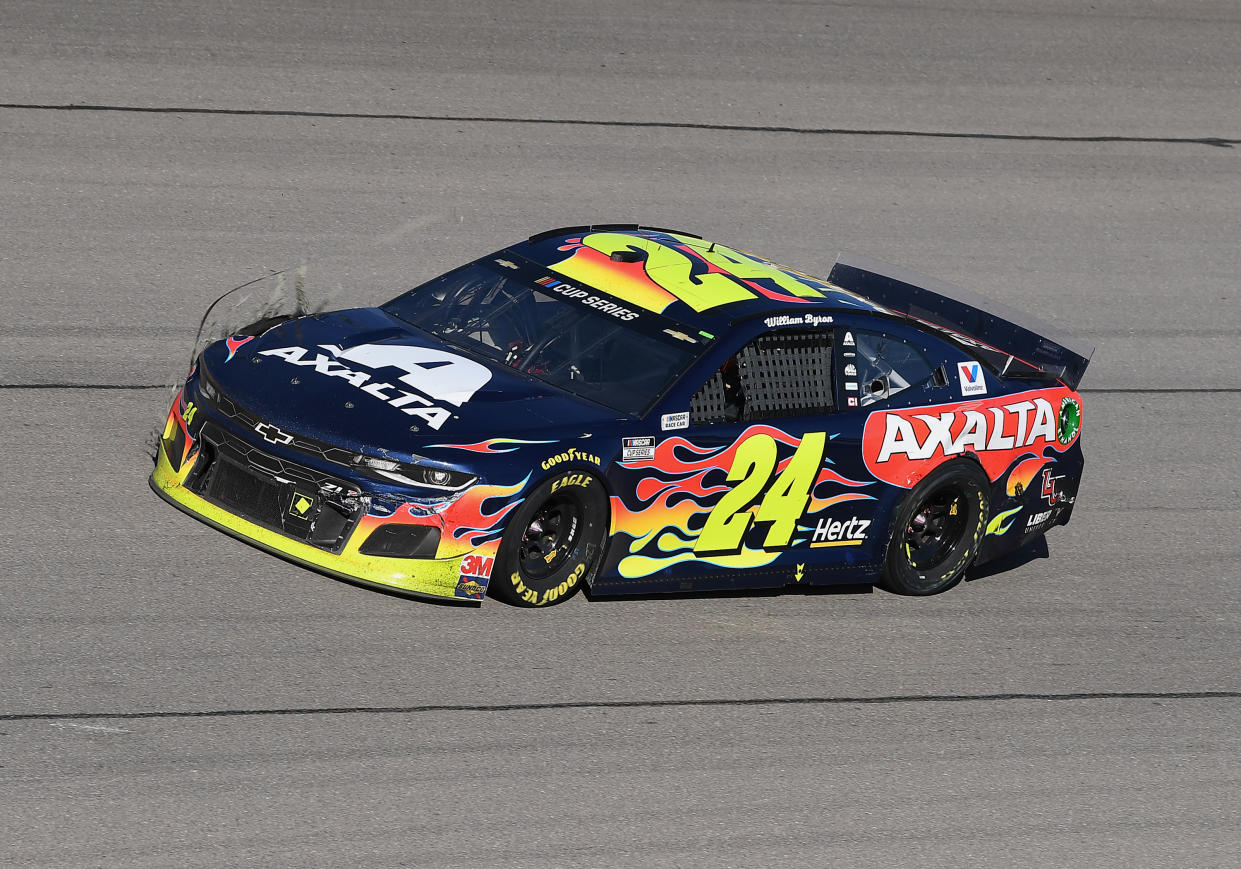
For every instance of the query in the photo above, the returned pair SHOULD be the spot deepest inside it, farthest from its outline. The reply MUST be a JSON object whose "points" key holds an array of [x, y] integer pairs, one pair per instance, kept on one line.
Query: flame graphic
{"points": [[469, 525], [465, 527], [640, 283], [674, 500], [494, 445]]}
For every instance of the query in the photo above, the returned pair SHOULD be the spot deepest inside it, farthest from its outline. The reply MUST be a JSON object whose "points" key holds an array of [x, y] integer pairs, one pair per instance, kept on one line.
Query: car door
{"points": [[740, 489]]}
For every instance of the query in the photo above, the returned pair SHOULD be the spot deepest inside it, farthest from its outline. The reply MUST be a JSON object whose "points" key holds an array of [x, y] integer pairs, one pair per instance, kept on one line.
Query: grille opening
{"points": [[249, 495], [329, 526], [299, 503]]}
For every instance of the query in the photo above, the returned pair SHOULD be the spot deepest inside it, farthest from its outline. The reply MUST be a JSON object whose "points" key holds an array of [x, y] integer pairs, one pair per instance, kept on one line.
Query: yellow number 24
{"points": [[784, 503]]}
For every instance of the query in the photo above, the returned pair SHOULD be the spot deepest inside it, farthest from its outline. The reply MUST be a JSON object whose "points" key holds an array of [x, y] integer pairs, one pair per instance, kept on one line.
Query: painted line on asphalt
{"points": [[629, 704], [1213, 141]]}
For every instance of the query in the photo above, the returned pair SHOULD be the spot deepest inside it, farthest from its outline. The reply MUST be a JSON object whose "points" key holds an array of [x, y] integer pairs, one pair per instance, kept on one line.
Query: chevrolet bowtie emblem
{"points": [[272, 434]]}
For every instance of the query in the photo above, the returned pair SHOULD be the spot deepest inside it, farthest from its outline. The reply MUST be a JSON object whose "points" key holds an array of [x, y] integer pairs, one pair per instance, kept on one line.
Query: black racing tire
{"points": [[937, 529], [553, 542]]}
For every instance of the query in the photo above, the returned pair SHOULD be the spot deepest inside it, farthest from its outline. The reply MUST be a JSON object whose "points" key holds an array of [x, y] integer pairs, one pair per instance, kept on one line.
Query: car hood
{"points": [[362, 379]]}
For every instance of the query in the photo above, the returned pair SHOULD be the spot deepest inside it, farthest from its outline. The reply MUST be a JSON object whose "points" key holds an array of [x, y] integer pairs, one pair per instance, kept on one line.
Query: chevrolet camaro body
{"points": [[685, 415]]}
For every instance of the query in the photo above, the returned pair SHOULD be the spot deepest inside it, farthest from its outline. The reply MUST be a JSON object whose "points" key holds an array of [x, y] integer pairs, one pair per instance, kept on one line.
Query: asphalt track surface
{"points": [[169, 696]]}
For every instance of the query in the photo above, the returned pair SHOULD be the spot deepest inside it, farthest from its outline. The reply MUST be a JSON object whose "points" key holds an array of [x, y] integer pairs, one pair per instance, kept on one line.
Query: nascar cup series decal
{"points": [[437, 377], [999, 431]]}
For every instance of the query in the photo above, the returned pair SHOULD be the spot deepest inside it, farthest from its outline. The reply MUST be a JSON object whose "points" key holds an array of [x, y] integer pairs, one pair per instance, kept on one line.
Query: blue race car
{"points": [[640, 411]]}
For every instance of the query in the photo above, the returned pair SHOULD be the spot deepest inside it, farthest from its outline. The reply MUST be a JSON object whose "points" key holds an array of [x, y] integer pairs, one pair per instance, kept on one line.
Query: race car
{"points": [[636, 410]]}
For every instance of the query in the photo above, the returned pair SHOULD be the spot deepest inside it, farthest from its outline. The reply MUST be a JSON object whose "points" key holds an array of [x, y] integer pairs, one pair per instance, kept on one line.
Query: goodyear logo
{"points": [[570, 456]]}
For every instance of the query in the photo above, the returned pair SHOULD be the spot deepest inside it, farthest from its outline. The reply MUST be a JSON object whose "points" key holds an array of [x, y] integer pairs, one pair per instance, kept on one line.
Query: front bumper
{"points": [[458, 572]]}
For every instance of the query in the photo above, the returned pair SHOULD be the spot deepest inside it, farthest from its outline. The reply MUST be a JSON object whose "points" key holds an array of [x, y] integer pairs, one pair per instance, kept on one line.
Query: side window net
{"points": [[775, 375], [709, 404]]}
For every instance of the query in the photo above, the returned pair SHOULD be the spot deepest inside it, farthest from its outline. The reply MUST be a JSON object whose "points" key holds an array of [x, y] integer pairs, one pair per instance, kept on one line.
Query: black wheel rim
{"points": [[549, 538], [936, 529]]}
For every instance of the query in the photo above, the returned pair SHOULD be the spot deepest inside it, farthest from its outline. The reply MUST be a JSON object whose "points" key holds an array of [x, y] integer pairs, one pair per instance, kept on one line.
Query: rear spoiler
{"points": [[1009, 336]]}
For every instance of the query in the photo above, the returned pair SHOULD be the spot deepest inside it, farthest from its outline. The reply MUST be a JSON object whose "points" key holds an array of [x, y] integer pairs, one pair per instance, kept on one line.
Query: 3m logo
{"points": [[972, 381], [476, 567]]}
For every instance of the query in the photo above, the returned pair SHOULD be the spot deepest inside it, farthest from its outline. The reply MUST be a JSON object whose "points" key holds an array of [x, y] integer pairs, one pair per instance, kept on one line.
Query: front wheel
{"points": [[553, 542], [937, 530]]}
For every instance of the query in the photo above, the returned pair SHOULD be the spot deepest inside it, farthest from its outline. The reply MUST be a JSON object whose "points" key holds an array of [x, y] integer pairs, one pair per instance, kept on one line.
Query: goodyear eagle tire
{"points": [[937, 529], [553, 542]]}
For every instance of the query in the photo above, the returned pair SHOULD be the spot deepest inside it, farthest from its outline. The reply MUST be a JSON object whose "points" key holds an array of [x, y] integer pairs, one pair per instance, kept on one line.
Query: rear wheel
{"points": [[553, 542], [937, 530]]}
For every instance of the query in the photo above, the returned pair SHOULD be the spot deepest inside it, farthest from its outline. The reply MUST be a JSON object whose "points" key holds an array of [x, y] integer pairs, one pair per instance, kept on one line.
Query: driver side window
{"points": [[779, 374]]}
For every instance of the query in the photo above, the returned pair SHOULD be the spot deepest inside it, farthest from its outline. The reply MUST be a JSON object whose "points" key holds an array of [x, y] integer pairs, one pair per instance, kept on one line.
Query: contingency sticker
{"points": [[637, 449], [670, 421], [972, 381]]}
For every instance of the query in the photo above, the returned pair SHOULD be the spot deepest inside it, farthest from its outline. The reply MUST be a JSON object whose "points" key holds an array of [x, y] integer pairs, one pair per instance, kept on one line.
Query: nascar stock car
{"points": [[638, 411]]}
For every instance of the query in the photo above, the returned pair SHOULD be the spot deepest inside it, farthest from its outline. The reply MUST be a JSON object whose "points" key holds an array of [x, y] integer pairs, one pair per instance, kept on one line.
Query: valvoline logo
{"points": [[972, 381]]}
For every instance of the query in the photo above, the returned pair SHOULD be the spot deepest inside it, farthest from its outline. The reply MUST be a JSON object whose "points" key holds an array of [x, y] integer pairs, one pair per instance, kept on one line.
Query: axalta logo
{"points": [[896, 444], [435, 377], [1022, 424]]}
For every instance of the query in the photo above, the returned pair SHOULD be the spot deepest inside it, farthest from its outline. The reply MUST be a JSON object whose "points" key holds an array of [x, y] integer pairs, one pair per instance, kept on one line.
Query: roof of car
{"points": [[702, 284]]}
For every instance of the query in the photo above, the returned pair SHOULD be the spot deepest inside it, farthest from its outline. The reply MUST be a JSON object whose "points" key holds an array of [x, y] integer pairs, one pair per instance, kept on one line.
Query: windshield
{"points": [[584, 346]]}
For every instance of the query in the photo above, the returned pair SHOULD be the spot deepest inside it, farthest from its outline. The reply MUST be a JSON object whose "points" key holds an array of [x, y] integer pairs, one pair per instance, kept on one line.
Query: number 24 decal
{"points": [[784, 503]]}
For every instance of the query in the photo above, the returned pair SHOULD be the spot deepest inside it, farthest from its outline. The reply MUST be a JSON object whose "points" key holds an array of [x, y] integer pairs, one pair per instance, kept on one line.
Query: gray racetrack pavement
{"points": [[169, 696]]}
